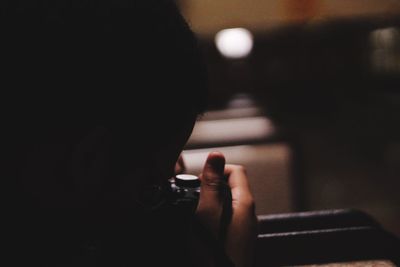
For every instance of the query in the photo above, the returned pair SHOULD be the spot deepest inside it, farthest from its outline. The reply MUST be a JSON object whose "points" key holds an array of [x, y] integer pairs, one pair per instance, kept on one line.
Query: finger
{"points": [[210, 205], [242, 231], [212, 177], [239, 184], [180, 166]]}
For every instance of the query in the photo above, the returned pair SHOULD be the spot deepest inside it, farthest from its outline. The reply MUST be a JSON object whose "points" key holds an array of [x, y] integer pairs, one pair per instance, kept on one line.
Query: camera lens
{"points": [[187, 180], [186, 191]]}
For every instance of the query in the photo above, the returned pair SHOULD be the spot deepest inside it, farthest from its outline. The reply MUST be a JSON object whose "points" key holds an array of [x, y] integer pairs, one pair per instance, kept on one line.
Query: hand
{"points": [[241, 231], [180, 166]]}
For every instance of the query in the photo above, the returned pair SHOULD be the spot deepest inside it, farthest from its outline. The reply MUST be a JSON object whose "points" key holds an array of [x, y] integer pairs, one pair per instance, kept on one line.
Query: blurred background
{"points": [[306, 95]]}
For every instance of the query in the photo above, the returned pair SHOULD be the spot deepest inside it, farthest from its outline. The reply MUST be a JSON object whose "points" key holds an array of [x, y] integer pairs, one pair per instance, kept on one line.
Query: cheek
{"points": [[169, 154]]}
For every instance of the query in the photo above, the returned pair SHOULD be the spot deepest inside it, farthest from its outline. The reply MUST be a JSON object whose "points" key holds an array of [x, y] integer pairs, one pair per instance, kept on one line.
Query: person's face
{"points": [[157, 164], [168, 154]]}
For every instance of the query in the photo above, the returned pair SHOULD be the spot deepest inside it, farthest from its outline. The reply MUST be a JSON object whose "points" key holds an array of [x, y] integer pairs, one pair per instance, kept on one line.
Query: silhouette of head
{"points": [[97, 91]]}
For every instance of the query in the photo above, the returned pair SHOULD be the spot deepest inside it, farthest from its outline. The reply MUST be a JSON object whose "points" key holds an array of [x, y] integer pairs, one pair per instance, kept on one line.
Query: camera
{"points": [[185, 189]]}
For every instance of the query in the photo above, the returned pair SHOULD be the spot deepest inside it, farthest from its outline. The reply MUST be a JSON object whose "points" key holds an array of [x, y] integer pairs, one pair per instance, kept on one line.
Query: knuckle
{"points": [[211, 186], [211, 178], [212, 183]]}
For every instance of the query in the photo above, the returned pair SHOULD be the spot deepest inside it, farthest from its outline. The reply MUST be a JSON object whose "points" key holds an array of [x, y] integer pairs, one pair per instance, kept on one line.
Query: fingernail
{"points": [[216, 162]]}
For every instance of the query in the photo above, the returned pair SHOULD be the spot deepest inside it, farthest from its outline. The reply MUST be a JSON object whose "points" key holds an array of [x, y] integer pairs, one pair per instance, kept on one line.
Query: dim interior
{"points": [[305, 94]]}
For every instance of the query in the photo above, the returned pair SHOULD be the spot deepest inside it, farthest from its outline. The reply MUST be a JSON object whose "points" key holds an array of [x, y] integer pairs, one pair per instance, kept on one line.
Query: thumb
{"points": [[209, 209]]}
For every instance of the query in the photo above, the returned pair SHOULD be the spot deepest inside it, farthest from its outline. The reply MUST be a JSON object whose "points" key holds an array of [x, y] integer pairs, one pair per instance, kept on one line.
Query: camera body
{"points": [[185, 190]]}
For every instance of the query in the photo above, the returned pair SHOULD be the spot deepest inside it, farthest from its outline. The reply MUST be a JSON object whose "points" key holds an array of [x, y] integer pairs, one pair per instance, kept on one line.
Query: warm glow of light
{"points": [[187, 177], [236, 130], [234, 43]]}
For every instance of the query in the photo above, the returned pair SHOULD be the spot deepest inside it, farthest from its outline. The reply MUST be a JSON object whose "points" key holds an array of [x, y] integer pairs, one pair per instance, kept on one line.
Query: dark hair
{"points": [[111, 59], [71, 66], [126, 71]]}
